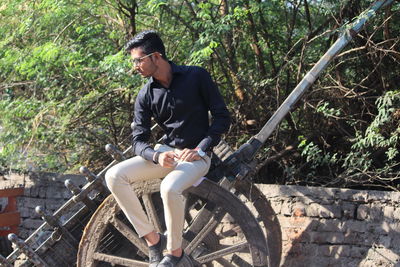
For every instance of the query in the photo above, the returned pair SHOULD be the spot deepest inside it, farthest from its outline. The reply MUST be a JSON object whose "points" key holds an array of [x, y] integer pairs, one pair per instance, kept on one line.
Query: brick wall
{"points": [[44, 189], [320, 226], [337, 227]]}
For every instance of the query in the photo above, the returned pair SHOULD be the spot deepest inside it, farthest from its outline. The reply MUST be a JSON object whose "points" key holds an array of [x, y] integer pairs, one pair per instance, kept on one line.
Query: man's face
{"points": [[143, 63]]}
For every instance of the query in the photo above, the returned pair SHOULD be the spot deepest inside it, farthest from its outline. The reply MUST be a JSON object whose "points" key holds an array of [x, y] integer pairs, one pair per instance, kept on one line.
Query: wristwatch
{"points": [[201, 152]]}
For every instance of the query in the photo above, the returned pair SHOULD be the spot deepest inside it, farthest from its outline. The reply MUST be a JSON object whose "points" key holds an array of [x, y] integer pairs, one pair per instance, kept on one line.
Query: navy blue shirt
{"points": [[181, 111]]}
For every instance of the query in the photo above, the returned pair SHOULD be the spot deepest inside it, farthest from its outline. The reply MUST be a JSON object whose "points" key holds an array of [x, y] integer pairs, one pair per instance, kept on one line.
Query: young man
{"points": [[179, 99]]}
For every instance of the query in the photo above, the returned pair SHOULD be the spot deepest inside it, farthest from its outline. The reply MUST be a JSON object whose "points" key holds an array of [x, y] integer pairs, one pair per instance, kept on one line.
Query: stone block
{"points": [[395, 242], [303, 200], [294, 190], [335, 251], [394, 197], [286, 208], [360, 196], [34, 191], [55, 192], [359, 252], [24, 212], [270, 190], [313, 210], [276, 206], [396, 213], [385, 241], [325, 194], [378, 228], [336, 210], [369, 263], [362, 212], [53, 204], [299, 255], [382, 256], [353, 195], [66, 194], [27, 191], [349, 262], [42, 191], [388, 213], [32, 203], [380, 196], [354, 226], [348, 210], [316, 261], [297, 235], [327, 238], [330, 211], [354, 238], [295, 222], [31, 223], [330, 225], [327, 200], [394, 227], [376, 212]]}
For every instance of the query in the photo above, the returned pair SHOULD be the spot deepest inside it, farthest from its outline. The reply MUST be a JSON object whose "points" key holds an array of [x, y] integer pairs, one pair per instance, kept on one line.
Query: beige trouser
{"points": [[121, 176]]}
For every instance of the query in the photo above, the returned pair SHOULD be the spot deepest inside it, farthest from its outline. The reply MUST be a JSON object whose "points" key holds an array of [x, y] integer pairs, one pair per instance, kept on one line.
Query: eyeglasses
{"points": [[137, 61]]}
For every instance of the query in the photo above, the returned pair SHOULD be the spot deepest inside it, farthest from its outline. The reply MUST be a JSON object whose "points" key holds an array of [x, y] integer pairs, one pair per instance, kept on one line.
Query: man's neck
{"points": [[164, 74]]}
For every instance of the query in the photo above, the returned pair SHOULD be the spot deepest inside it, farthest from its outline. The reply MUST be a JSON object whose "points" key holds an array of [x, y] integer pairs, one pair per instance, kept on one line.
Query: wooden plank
{"points": [[129, 234], [114, 260], [10, 219], [12, 192]]}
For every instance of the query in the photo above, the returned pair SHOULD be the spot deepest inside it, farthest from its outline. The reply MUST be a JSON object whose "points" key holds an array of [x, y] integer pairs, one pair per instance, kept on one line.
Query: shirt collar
{"points": [[175, 70]]}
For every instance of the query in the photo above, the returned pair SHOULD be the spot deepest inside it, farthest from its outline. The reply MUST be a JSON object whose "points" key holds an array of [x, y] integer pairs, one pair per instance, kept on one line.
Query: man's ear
{"points": [[159, 55]]}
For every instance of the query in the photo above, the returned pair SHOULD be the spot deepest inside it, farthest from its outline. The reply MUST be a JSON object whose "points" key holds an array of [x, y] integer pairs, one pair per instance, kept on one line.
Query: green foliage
{"points": [[67, 87], [374, 150], [326, 111], [382, 134], [58, 70]]}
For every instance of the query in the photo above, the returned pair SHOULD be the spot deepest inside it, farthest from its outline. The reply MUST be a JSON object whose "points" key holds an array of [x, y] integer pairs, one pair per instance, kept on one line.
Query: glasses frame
{"points": [[137, 61]]}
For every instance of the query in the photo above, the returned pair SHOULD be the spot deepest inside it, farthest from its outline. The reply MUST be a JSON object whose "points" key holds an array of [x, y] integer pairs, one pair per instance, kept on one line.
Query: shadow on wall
{"points": [[337, 227]]}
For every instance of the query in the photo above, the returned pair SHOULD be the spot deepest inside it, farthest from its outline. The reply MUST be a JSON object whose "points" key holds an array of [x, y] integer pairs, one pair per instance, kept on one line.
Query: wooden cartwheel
{"points": [[220, 229]]}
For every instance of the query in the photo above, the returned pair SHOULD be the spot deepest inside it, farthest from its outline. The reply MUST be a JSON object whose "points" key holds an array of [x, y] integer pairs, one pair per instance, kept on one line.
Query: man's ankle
{"points": [[177, 252], [152, 239]]}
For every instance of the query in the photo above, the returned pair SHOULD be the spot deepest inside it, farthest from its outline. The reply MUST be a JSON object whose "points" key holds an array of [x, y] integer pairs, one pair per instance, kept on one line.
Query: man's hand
{"points": [[188, 155], [167, 159]]}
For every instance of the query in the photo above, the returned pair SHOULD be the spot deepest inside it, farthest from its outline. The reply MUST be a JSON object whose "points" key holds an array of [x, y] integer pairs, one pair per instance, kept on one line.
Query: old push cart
{"points": [[228, 221]]}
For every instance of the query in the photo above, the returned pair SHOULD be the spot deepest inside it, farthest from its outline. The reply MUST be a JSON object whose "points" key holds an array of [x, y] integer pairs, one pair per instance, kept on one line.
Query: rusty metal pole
{"points": [[27, 250]]}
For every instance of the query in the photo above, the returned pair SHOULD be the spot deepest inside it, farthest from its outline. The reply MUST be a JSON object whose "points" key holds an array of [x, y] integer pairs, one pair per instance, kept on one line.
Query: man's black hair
{"points": [[147, 40]]}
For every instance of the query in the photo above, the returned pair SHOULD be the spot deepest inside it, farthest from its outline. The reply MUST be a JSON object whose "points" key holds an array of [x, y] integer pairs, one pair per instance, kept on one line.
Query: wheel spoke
{"points": [[229, 233], [210, 226], [224, 262], [118, 260], [222, 252], [130, 235], [198, 223], [151, 212], [246, 250], [240, 262]]}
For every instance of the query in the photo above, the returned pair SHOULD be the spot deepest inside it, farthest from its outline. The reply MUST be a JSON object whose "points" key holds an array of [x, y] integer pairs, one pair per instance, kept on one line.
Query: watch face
{"points": [[201, 153]]}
